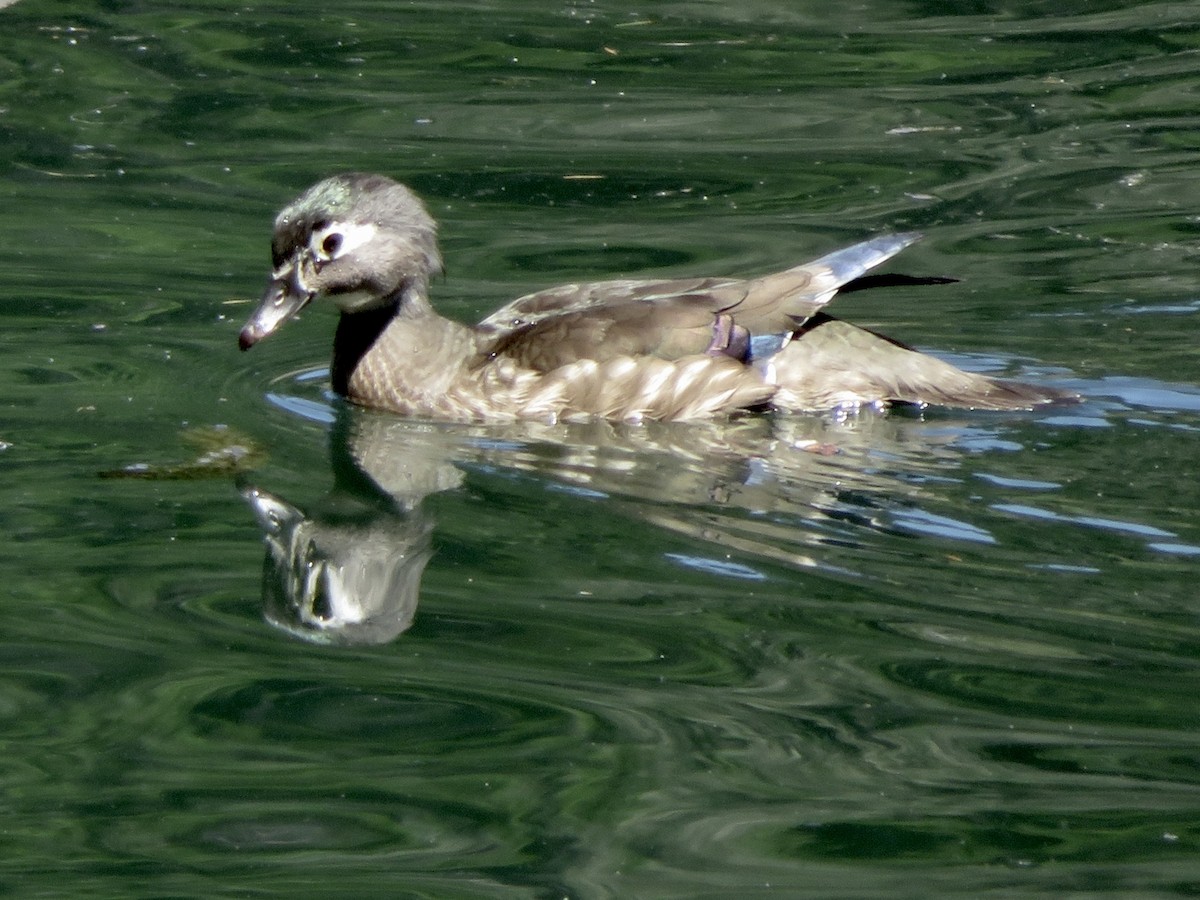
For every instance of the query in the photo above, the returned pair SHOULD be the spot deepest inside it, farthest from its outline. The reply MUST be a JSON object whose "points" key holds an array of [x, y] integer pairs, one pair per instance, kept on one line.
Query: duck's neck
{"points": [[357, 332]]}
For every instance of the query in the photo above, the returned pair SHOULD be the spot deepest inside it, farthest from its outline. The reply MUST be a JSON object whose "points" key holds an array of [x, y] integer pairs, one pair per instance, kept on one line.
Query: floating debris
{"points": [[223, 452]]}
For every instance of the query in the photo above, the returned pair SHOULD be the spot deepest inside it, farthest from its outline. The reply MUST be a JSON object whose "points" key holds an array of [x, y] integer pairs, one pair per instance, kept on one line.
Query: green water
{"points": [[958, 657]]}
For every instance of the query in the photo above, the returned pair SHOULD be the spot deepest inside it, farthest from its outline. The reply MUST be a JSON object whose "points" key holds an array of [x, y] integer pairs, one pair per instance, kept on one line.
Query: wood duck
{"points": [[630, 349]]}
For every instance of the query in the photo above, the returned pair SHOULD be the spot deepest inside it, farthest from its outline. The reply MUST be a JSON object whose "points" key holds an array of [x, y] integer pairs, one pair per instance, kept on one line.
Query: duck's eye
{"points": [[331, 244]]}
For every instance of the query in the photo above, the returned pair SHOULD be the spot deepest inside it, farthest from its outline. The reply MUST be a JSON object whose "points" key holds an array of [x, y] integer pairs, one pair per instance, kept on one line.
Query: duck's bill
{"points": [[280, 302]]}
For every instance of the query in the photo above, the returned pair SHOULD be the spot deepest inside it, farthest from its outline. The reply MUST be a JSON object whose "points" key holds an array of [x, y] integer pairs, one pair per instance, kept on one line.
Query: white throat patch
{"points": [[355, 301]]}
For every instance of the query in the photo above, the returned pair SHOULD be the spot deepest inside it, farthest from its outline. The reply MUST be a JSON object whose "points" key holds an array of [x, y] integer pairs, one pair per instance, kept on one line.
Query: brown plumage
{"points": [[629, 349]]}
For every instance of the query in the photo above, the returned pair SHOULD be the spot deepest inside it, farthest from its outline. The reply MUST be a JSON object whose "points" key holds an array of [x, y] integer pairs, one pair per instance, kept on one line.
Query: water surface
{"points": [[956, 656]]}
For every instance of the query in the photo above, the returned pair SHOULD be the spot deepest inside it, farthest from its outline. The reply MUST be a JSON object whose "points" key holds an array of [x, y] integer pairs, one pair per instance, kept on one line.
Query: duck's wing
{"points": [[570, 299], [672, 318], [668, 328]]}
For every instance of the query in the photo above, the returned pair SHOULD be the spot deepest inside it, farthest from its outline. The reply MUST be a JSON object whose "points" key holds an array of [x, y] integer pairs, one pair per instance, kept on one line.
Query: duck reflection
{"points": [[349, 572], [340, 582]]}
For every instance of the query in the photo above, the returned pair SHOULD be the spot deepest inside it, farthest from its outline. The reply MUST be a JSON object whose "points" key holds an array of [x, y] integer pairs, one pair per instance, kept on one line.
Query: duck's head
{"points": [[365, 241]]}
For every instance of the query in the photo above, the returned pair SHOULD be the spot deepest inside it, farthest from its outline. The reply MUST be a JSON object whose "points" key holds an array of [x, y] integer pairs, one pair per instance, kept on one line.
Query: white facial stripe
{"points": [[353, 235]]}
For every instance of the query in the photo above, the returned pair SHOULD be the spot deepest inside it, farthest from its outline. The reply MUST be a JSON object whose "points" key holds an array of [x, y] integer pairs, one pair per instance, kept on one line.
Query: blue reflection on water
{"points": [[940, 526], [1034, 512], [306, 409], [716, 566], [1150, 394]]}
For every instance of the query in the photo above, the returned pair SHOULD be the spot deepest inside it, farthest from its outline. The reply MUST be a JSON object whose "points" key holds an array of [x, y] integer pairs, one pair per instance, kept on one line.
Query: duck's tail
{"points": [[786, 300], [830, 363]]}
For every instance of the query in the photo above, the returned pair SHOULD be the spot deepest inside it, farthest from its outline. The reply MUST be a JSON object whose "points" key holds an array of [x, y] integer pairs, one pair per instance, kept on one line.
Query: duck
{"points": [[631, 349]]}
